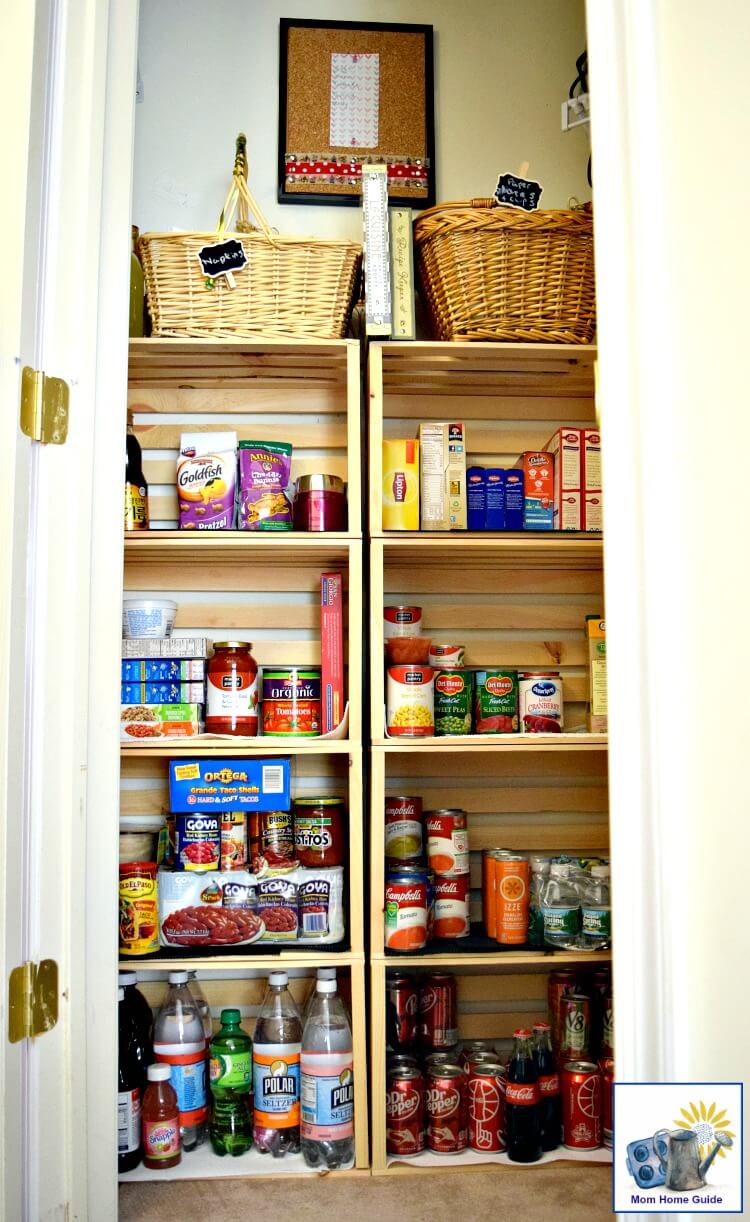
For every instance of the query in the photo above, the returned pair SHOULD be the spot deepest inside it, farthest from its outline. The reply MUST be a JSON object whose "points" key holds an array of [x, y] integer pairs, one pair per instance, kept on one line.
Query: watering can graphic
{"points": [[682, 1167]]}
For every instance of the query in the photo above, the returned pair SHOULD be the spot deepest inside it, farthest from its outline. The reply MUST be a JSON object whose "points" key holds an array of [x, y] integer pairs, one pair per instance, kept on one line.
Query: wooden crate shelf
{"points": [[188, 549], [527, 744], [180, 748]]}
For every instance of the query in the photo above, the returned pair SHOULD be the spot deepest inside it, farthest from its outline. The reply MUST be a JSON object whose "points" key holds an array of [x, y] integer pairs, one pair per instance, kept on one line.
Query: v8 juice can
{"points": [[291, 702], [453, 700], [406, 898], [496, 702]]}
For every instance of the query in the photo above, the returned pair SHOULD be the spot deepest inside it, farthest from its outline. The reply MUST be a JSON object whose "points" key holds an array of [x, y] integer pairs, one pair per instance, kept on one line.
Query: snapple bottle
{"points": [[162, 1146], [232, 690]]}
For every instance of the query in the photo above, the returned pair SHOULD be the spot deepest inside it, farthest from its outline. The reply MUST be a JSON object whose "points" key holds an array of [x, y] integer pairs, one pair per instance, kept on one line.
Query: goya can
{"points": [[406, 909], [403, 828], [447, 842], [451, 907], [496, 702], [581, 1089], [445, 1105], [540, 702], [197, 842], [410, 700], [486, 1106], [511, 899], [139, 908], [404, 1111], [453, 700], [291, 702]]}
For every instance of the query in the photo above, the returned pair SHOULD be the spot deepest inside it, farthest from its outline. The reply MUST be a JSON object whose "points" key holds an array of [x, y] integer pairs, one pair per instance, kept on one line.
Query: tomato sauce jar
{"points": [[319, 503], [232, 690], [319, 833], [291, 702]]}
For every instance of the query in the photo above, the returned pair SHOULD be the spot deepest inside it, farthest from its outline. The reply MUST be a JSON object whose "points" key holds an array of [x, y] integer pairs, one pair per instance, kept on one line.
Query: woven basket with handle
{"points": [[489, 272], [291, 287]]}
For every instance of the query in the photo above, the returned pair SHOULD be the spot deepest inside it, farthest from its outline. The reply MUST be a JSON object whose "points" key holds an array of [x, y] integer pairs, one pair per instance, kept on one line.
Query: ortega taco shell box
{"points": [[207, 480]]}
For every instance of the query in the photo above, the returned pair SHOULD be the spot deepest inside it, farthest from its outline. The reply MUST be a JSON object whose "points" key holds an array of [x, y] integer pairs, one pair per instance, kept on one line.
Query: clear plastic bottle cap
{"points": [[178, 977], [159, 1072], [326, 986], [279, 979], [126, 978], [120, 994], [326, 973]]}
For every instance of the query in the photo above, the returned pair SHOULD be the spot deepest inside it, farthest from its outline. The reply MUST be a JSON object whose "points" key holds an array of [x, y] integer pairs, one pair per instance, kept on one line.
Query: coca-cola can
{"points": [[404, 1112], [559, 983], [607, 1070], [402, 1001], [581, 1090], [438, 1016], [486, 1106], [575, 1027], [445, 1105]]}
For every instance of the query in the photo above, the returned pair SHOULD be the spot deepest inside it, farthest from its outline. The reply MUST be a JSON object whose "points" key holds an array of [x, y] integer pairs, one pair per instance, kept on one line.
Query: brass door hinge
{"points": [[32, 1000], [44, 407]]}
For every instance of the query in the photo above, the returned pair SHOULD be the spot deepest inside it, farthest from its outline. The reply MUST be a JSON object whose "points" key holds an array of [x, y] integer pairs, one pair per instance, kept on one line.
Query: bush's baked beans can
{"points": [[406, 901], [540, 702], [139, 908], [447, 842], [451, 907], [403, 828], [486, 1106], [410, 701], [581, 1090], [437, 1027], [271, 848], [511, 899], [607, 1070], [445, 1100], [404, 1112], [402, 1004], [402, 621]]}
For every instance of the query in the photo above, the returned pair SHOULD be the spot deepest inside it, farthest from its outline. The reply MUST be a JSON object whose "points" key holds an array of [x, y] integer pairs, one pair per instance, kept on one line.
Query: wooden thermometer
{"points": [[377, 258]]}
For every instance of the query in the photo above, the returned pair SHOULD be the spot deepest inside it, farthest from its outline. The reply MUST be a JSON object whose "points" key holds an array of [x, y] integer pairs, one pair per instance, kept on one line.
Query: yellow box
{"points": [[596, 635], [401, 484]]}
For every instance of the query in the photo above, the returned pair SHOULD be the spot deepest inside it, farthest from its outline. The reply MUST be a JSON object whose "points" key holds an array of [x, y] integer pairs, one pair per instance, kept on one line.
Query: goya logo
{"points": [[202, 823], [450, 685], [544, 689], [343, 1094], [499, 685]]}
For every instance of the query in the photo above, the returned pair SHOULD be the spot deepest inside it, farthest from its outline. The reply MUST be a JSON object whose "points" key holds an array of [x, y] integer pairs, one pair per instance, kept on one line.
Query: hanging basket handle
{"points": [[240, 198]]}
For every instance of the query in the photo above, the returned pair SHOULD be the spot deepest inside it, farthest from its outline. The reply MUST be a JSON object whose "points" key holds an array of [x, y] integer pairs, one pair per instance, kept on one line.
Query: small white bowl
{"points": [[153, 617]]}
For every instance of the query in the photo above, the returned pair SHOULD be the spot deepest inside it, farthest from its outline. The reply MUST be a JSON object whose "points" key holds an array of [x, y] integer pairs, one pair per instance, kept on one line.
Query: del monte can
{"points": [[453, 699], [496, 702]]}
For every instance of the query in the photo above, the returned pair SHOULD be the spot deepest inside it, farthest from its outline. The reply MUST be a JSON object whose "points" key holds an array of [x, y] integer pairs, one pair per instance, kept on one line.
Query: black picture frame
{"points": [[354, 199]]}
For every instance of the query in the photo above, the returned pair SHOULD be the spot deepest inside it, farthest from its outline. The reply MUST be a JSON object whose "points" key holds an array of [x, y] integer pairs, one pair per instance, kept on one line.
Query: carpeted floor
{"points": [[565, 1193]]}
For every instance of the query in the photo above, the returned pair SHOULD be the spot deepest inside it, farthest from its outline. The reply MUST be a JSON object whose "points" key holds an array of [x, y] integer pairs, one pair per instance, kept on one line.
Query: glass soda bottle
{"points": [[231, 1127], [561, 906], [550, 1110], [327, 1082], [140, 1011], [162, 1147], [130, 1082], [180, 1041], [522, 1120], [276, 1070]]}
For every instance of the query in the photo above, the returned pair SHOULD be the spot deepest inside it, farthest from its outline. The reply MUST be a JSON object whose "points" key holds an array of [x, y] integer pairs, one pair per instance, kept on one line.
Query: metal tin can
{"points": [[402, 621], [575, 1026], [405, 1112], [410, 700], [406, 909], [197, 842], [233, 840], [447, 1057], [446, 657], [270, 842], [447, 842], [291, 702], [139, 908], [607, 1070], [453, 700], [540, 702], [437, 1026], [445, 1105], [559, 983], [512, 899], [489, 888], [475, 1048], [451, 907], [399, 1060], [581, 1089], [320, 831], [403, 828], [607, 1047], [402, 1004], [486, 1107], [496, 702]]}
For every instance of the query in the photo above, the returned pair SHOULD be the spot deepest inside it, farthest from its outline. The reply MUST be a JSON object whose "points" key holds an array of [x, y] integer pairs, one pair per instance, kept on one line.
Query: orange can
{"points": [[511, 899], [489, 909]]}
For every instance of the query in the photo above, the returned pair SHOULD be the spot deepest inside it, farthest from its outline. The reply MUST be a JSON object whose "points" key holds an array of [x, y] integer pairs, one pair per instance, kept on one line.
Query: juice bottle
{"points": [[130, 1081], [161, 1121], [276, 1070], [231, 1126]]}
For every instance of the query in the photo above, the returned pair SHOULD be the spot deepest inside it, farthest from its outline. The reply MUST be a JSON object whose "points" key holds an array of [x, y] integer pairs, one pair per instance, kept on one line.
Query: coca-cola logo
{"points": [[523, 1093], [403, 1104], [442, 1103], [549, 1085]]}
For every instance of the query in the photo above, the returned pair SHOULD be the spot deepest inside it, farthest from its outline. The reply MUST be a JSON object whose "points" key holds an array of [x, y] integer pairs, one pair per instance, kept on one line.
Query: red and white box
{"points": [[592, 480], [331, 650], [567, 447]]}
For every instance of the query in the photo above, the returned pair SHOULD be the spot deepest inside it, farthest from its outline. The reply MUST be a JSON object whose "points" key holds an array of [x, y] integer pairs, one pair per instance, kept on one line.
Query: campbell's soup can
{"points": [[405, 1112], [445, 1105], [485, 1089], [406, 909], [447, 842], [540, 702], [410, 701], [437, 1026], [402, 1004], [607, 1070], [451, 918], [581, 1091], [511, 899], [403, 828], [446, 657], [402, 621]]}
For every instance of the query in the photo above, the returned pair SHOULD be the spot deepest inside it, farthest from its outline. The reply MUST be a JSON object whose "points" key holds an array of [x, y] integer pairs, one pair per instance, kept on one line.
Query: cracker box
{"points": [[476, 498], [566, 446], [538, 489], [229, 784], [141, 724], [147, 647], [596, 639], [592, 480], [331, 650], [163, 692], [163, 670], [442, 448], [495, 515]]}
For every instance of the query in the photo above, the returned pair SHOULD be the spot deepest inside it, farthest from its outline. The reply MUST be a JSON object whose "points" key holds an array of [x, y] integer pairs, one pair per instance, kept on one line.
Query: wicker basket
{"points": [[291, 287], [499, 273]]}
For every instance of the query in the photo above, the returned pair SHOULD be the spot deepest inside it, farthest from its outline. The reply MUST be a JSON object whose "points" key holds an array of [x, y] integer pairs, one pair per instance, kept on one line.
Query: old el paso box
{"points": [[205, 786]]}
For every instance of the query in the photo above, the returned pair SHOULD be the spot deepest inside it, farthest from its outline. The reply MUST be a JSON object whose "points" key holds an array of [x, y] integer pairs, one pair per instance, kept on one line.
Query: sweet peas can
{"points": [[453, 699]]}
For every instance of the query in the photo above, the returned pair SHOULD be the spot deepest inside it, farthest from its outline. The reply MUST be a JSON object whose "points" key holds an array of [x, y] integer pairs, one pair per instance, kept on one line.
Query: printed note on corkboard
{"points": [[353, 93]]}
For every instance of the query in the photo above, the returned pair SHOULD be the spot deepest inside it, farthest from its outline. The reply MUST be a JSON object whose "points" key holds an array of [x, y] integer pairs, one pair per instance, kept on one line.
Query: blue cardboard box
{"points": [[163, 693], [476, 498], [205, 786], [495, 510], [514, 500], [162, 670]]}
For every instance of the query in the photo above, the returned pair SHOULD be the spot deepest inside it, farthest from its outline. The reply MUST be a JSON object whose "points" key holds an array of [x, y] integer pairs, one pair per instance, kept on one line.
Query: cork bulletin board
{"points": [[353, 93]]}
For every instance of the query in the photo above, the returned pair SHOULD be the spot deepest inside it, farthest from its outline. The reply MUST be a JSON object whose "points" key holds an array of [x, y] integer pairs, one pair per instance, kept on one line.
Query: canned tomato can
{"points": [[607, 1070], [446, 657], [402, 621], [291, 702], [511, 899], [410, 701], [447, 842], [540, 702], [575, 1026], [403, 828], [453, 700], [496, 702], [451, 907], [437, 1026], [139, 908], [486, 1107], [405, 1112], [559, 983], [445, 1106], [233, 840], [581, 1090], [406, 909], [402, 1004]]}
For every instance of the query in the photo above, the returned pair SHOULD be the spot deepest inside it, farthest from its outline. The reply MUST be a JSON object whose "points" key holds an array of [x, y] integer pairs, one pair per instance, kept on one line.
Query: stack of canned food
{"points": [[446, 1096], [430, 692], [427, 885]]}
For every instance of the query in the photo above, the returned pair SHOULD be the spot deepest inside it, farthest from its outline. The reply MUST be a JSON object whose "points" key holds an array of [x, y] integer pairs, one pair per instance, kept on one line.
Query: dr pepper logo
{"points": [[442, 1103], [498, 685], [402, 1105]]}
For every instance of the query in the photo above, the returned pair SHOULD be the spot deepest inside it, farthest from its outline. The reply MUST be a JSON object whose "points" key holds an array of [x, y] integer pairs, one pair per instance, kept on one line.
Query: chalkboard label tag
{"points": [[222, 258], [518, 192]]}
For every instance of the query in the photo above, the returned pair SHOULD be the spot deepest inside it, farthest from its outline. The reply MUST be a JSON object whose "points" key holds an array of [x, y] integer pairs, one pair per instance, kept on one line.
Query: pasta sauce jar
{"points": [[232, 690], [291, 702], [319, 834]]}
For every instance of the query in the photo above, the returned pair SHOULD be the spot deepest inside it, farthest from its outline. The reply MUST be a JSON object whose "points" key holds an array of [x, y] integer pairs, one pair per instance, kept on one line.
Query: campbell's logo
{"points": [[406, 895], [450, 888], [498, 685], [544, 689], [399, 486], [449, 685], [442, 1103], [400, 809], [403, 1104]]}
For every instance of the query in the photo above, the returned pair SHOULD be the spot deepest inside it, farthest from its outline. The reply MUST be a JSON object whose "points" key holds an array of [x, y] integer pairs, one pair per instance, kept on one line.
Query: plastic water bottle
{"points": [[561, 906], [204, 1008], [231, 1064], [180, 1041], [276, 1070], [540, 867], [596, 917], [323, 973], [327, 1082]]}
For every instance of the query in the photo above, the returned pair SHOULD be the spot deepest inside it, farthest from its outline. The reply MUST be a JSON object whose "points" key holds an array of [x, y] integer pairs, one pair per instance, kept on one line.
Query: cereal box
{"points": [[331, 650], [566, 446], [401, 484], [443, 475], [538, 489]]}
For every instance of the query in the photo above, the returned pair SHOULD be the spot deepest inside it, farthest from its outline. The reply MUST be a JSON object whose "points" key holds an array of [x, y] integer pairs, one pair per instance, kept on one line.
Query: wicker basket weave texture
{"points": [[494, 273]]}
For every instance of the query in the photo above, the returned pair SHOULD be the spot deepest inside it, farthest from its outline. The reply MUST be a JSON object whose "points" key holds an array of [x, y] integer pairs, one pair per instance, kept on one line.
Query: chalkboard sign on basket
{"points": [[518, 192], [222, 258]]}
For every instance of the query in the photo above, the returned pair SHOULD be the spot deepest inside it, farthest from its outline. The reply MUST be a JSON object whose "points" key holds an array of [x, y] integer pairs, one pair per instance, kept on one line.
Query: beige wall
{"points": [[502, 69]]}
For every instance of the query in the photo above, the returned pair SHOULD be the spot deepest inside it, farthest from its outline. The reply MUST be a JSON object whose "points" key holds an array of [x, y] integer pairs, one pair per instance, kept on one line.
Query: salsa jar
{"points": [[139, 908], [291, 702], [319, 503], [232, 690], [319, 831]]}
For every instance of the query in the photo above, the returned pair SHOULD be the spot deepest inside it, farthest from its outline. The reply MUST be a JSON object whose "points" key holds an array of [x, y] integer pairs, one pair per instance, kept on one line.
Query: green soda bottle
{"points": [[231, 1075]]}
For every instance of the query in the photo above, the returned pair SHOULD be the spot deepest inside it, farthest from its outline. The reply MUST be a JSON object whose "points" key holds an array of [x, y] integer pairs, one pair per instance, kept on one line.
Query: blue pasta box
{"points": [[163, 670], [476, 498], [514, 500], [205, 786], [495, 510], [163, 693]]}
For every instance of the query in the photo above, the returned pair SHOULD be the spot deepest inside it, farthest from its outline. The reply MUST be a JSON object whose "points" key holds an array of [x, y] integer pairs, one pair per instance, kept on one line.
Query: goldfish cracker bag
{"points": [[207, 480], [265, 470]]}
